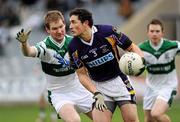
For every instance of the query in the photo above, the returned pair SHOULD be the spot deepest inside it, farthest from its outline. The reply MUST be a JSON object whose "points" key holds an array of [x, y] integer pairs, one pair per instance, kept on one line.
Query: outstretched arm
{"points": [[27, 50]]}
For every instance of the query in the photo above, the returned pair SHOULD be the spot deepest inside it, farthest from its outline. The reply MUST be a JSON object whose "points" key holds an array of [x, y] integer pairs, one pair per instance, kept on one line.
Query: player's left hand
{"points": [[23, 36], [99, 101]]}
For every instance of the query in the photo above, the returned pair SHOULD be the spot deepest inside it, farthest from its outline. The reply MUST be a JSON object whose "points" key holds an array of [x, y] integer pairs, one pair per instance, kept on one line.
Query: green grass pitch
{"points": [[28, 113]]}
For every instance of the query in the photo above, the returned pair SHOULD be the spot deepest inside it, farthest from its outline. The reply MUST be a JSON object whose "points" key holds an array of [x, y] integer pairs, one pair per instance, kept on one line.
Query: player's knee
{"points": [[72, 118], [131, 119], [148, 119], [155, 115]]}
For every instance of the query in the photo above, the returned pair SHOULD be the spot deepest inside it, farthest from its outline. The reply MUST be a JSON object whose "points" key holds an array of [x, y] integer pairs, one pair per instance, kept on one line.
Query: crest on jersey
{"points": [[104, 48], [77, 62], [64, 62]]}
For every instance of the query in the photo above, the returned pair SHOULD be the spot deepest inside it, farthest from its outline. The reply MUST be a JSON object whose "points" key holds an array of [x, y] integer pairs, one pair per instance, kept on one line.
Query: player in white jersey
{"points": [[161, 79], [65, 92]]}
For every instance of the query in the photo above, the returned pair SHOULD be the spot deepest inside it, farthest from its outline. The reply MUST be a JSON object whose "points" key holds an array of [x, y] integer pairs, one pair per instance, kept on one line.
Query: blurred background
{"points": [[21, 79]]}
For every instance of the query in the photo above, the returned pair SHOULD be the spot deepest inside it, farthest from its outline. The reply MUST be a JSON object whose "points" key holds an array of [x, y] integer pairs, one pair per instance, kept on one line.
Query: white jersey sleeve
{"points": [[41, 49], [178, 50]]}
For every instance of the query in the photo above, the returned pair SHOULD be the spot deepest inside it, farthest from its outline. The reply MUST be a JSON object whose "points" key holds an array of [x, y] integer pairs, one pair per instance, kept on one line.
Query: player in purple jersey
{"points": [[95, 56]]}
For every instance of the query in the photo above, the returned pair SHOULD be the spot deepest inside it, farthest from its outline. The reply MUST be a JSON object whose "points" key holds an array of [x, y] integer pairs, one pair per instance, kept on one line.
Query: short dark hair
{"points": [[83, 15], [156, 22]]}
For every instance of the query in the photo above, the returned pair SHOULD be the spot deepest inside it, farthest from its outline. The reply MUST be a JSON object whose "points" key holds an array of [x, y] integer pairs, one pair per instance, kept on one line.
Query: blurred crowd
{"points": [[29, 13]]}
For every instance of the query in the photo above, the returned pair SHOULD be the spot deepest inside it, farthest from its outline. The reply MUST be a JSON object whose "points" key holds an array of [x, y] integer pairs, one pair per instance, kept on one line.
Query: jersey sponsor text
{"points": [[101, 60]]}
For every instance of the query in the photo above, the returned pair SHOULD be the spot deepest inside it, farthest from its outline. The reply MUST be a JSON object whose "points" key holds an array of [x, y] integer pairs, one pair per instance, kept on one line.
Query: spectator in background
{"points": [[31, 13], [126, 8], [63, 5], [8, 18], [159, 54], [4, 39], [28, 2], [9, 13], [56, 5]]}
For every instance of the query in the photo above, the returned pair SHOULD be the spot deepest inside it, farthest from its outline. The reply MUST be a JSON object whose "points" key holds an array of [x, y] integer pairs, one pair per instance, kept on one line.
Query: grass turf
{"points": [[28, 113]]}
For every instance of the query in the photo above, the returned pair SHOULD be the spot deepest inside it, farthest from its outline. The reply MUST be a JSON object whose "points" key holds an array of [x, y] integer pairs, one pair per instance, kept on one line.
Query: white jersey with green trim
{"points": [[56, 64], [160, 62]]}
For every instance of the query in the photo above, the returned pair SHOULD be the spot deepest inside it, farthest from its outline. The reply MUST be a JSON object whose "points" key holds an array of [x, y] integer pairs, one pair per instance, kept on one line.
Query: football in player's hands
{"points": [[131, 64]]}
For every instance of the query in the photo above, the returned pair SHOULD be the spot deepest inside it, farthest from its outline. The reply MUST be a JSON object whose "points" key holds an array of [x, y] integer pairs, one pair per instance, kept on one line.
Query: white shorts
{"points": [[81, 98], [116, 90], [150, 96]]}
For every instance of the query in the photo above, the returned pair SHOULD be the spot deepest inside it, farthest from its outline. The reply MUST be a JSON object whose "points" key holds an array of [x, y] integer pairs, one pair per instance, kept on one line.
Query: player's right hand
{"points": [[99, 101], [23, 36]]}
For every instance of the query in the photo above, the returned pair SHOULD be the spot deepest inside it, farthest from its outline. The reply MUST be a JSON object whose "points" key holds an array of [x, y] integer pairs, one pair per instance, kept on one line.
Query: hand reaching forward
{"points": [[23, 36]]}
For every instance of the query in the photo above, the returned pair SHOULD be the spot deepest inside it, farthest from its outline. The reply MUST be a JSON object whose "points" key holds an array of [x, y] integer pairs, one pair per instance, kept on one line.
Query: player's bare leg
{"points": [[159, 109], [148, 117], [99, 116], [66, 110], [129, 113]]}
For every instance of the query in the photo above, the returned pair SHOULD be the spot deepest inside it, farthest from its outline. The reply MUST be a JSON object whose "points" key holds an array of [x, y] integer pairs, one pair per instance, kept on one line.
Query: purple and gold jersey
{"points": [[98, 56]]}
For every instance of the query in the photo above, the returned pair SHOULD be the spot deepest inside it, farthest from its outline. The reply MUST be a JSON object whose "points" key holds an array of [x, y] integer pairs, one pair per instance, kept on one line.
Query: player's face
{"points": [[57, 30], [155, 33], [76, 26]]}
